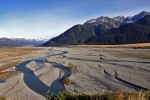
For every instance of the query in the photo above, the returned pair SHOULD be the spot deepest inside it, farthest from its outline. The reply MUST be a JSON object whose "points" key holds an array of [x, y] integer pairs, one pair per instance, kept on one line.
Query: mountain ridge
{"points": [[11, 42], [99, 31]]}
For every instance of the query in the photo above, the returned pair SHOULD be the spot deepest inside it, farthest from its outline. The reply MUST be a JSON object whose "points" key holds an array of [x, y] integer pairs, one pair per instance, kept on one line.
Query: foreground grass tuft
{"points": [[66, 81], [70, 66], [2, 98], [117, 95]]}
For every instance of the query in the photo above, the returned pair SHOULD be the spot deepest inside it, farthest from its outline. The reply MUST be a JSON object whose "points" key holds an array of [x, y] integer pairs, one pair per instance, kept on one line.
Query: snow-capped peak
{"points": [[116, 21], [119, 18], [107, 22], [106, 19], [135, 18]]}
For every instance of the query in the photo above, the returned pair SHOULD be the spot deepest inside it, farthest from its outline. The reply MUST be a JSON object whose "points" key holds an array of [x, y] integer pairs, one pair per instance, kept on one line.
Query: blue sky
{"points": [[49, 18]]}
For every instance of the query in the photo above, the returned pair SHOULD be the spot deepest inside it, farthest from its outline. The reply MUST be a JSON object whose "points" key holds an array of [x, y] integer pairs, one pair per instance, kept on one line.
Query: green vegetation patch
{"points": [[2, 98], [117, 95]]}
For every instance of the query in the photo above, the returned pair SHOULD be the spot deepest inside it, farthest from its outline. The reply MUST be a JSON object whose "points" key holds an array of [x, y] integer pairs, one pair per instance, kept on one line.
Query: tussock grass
{"points": [[13, 52], [11, 59], [66, 81], [138, 45], [116, 95], [14, 49], [11, 56], [70, 66], [2, 98], [8, 65], [7, 74]]}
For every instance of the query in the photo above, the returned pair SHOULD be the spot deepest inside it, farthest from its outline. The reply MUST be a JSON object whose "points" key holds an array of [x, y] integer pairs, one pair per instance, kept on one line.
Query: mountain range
{"points": [[11, 42], [107, 30]]}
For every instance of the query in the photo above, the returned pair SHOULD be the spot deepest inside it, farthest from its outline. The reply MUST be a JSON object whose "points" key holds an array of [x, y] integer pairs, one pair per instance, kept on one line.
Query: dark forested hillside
{"points": [[105, 30], [126, 34], [78, 34]]}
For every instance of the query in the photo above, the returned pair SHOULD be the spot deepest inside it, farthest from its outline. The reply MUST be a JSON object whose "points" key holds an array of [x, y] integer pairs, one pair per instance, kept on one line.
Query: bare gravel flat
{"points": [[93, 70], [100, 69]]}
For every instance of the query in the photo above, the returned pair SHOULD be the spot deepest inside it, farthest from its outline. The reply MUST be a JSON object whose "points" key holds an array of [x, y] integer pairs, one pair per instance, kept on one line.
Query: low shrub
{"points": [[116, 95]]}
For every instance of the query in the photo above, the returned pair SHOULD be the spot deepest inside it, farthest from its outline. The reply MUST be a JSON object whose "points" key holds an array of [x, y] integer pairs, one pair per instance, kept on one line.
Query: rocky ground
{"points": [[87, 70]]}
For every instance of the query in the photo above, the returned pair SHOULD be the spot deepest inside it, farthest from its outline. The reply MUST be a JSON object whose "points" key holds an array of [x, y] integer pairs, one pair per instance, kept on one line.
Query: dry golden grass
{"points": [[11, 59], [70, 66], [12, 56], [138, 45], [7, 74], [13, 49], [13, 52], [66, 81], [116, 95], [8, 65]]}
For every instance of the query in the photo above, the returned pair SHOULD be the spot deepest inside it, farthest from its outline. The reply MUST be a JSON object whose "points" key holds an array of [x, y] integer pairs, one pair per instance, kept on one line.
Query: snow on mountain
{"points": [[25, 41], [106, 22], [114, 22], [103, 19], [21, 41], [135, 18]]}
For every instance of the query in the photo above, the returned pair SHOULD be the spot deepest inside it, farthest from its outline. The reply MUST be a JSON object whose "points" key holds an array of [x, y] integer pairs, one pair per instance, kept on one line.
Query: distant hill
{"points": [[7, 42], [11, 42], [25, 42], [106, 30]]}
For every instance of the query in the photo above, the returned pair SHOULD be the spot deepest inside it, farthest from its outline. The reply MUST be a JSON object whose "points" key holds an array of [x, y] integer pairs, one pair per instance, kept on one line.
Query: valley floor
{"points": [[80, 69]]}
